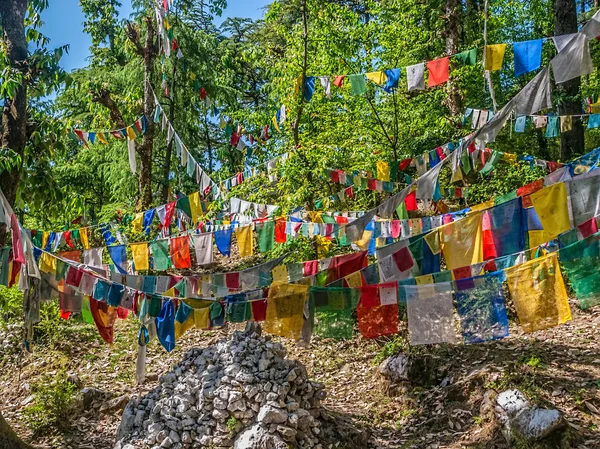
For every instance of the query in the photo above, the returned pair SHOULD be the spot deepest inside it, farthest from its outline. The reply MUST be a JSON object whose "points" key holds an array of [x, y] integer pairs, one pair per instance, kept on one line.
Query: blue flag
{"points": [[165, 326], [223, 241], [528, 56], [148, 215], [118, 254], [393, 75], [520, 124], [309, 87]]}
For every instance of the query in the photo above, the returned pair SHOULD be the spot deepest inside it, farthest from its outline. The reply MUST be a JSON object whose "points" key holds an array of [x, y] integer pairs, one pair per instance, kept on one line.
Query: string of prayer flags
{"points": [[130, 132], [494, 56], [438, 71], [538, 292], [528, 56]]}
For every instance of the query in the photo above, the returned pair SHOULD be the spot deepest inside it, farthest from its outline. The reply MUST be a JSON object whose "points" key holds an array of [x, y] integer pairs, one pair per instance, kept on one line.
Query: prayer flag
{"points": [[140, 256], [339, 80], [383, 170], [528, 56], [223, 241], [309, 87], [538, 292], [468, 57], [462, 241], [393, 76], [494, 56], [552, 127], [266, 235], [430, 313], [118, 254], [438, 71], [165, 325], [415, 75], [160, 254], [285, 310], [180, 252], [377, 77], [520, 124], [245, 240], [357, 82], [551, 206]]}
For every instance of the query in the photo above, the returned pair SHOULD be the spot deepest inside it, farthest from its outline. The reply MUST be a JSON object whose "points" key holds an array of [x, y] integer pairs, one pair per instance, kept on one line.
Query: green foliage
{"points": [[232, 424], [53, 400], [11, 304]]}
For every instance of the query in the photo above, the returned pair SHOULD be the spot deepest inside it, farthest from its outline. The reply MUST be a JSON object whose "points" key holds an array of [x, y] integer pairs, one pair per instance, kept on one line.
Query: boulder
{"points": [[258, 437], [422, 370]]}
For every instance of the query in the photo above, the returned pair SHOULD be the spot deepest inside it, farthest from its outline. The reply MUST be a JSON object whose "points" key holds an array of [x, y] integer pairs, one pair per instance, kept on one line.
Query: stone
{"points": [[258, 437], [174, 436], [272, 415], [115, 404], [90, 395], [288, 433], [534, 424], [186, 438], [512, 401], [167, 442]]}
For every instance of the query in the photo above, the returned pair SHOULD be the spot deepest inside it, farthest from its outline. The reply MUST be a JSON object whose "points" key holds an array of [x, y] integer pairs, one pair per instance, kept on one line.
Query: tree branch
{"points": [[134, 37], [103, 97]]}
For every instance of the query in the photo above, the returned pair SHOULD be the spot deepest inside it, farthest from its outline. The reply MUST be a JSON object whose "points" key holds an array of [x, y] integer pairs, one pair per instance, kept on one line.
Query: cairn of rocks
{"points": [[242, 392]]}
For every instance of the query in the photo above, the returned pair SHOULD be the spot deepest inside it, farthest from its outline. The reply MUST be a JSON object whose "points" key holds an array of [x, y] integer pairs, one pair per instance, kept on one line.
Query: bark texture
{"points": [[14, 114]]}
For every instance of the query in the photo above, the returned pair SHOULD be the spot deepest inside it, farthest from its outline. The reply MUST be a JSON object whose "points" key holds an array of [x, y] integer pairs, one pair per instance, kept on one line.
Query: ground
{"points": [[558, 367]]}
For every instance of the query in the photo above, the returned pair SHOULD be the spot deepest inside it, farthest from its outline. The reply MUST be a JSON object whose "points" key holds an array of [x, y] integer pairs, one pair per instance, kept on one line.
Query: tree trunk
{"points": [[302, 89], [145, 149], [571, 142], [453, 100], [8, 438], [14, 114]]}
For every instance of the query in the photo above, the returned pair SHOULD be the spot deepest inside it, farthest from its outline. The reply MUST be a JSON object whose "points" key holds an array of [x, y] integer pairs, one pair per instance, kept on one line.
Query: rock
{"points": [[512, 401], [167, 442], [522, 422], [90, 395], [420, 370], [288, 433], [534, 424], [258, 437], [115, 404], [272, 415]]}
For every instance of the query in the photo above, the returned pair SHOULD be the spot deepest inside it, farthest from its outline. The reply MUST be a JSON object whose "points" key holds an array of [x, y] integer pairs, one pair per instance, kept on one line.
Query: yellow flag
{"points": [[377, 77], [315, 217], [101, 138], [47, 263], [83, 236], [483, 206], [457, 175], [274, 120], [363, 243], [433, 241], [280, 273], [552, 208], [538, 292], [494, 55], [424, 280], [137, 224], [462, 241], [383, 171], [195, 207], [354, 280], [222, 122], [245, 240], [285, 310], [130, 133], [415, 226], [170, 293], [140, 255]]}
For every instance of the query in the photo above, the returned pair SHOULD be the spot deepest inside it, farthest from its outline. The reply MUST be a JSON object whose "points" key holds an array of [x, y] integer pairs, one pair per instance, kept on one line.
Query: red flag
{"points": [[438, 71], [339, 80]]}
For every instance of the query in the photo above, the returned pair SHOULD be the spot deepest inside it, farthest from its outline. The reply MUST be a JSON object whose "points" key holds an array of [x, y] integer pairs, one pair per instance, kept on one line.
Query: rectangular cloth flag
{"points": [[494, 56], [180, 252], [266, 235], [377, 77], [245, 240], [415, 75], [462, 241], [584, 193], [430, 313], [333, 311], [538, 293], [118, 254], [482, 309], [376, 317], [139, 252], [506, 227], [580, 261], [203, 248], [438, 71], [468, 57], [528, 56], [552, 208], [223, 241], [160, 254], [285, 310], [342, 266], [358, 84]]}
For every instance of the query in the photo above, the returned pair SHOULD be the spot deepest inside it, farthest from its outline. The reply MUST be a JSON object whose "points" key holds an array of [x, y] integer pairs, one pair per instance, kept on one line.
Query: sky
{"points": [[63, 24]]}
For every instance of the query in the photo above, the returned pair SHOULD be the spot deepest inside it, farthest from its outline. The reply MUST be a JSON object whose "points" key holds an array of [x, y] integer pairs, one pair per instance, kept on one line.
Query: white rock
{"points": [[272, 415]]}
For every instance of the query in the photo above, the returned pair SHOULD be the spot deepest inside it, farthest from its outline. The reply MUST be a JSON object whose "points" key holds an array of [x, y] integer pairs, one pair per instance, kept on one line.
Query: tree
{"points": [[571, 142]]}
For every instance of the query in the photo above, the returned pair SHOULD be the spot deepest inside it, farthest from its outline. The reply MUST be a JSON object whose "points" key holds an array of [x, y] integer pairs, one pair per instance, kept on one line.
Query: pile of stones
{"points": [[242, 392]]}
